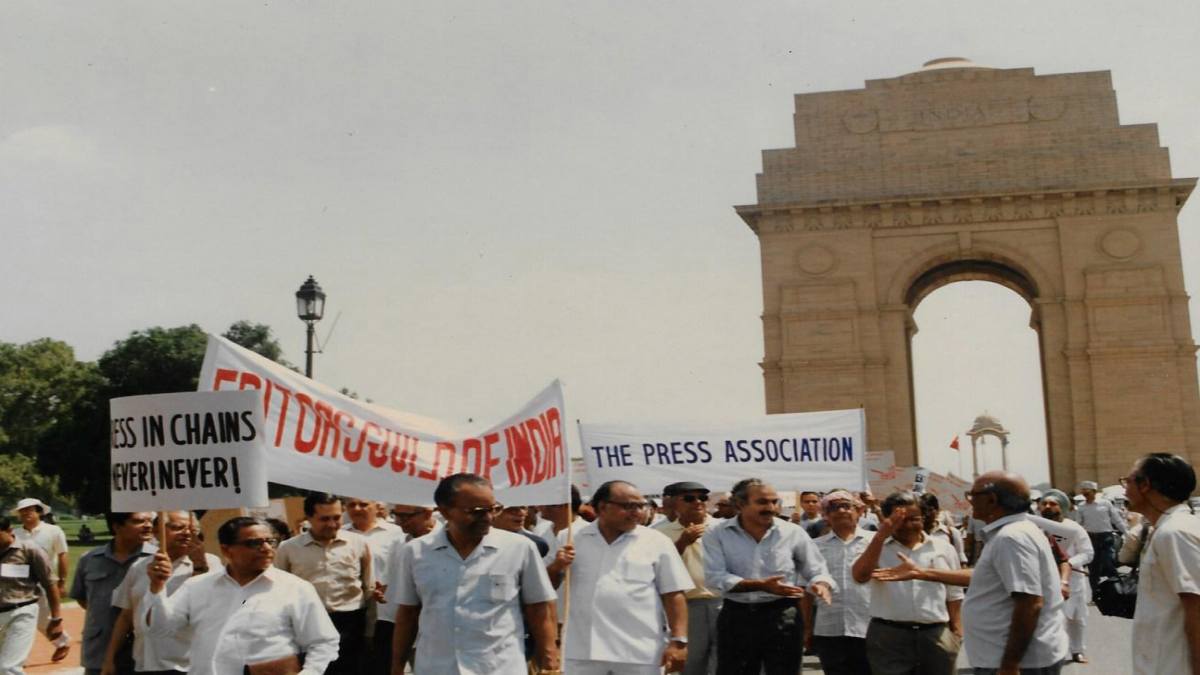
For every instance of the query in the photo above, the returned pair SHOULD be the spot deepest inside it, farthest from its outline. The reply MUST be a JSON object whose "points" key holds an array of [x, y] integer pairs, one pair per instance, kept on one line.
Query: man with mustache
{"points": [[251, 616], [1077, 547], [760, 562], [690, 501]]}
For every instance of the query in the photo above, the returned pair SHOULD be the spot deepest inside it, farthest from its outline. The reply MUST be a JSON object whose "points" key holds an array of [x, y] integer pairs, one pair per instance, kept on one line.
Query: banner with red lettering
{"points": [[319, 439]]}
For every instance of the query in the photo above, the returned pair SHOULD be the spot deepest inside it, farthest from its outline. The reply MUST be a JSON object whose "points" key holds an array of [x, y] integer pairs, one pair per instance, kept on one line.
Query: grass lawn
{"points": [[70, 527]]}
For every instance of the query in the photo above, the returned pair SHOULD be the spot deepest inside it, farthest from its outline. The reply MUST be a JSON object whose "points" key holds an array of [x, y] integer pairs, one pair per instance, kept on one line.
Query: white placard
{"points": [[796, 451], [191, 450]]}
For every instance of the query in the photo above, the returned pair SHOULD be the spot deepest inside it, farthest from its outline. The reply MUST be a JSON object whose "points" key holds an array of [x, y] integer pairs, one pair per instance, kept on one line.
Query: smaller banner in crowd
{"points": [[192, 450], [951, 492], [319, 439], [814, 451]]}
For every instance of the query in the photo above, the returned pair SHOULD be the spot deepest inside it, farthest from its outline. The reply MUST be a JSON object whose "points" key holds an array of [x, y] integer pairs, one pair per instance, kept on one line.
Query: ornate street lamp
{"points": [[310, 307]]}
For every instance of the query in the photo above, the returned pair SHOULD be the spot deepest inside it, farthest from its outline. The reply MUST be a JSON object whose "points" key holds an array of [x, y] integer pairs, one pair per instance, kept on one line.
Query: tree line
{"points": [[54, 418]]}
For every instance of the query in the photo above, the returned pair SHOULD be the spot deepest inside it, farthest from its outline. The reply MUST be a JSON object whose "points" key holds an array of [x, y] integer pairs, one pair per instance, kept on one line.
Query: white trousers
{"points": [[18, 627]]}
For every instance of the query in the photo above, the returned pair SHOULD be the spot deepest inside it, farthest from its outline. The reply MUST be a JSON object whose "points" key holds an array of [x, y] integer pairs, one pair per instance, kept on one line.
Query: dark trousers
{"points": [[1104, 563], [766, 637], [1046, 670], [842, 655], [381, 649], [351, 627]]}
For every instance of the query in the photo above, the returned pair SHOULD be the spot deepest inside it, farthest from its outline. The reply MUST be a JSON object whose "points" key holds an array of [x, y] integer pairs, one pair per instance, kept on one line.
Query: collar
{"points": [[858, 533], [337, 536], [736, 522], [593, 529], [271, 574], [925, 539], [441, 540], [34, 530], [379, 525], [1182, 506], [1001, 522]]}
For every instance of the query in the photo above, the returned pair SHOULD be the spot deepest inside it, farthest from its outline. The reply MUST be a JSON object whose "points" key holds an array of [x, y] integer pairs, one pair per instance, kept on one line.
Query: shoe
{"points": [[60, 653], [1079, 658]]}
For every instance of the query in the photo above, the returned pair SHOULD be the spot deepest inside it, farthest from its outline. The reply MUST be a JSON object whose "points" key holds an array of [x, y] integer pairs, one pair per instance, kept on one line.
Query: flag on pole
{"points": [[954, 443]]}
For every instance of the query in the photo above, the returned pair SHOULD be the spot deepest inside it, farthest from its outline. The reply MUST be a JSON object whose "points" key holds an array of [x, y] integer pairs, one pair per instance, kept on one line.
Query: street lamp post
{"points": [[310, 307]]}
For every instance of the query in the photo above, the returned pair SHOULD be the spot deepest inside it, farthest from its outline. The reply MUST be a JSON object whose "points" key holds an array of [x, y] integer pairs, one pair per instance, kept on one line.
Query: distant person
{"points": [[414, 521], [337, 563], [811, 518], [1166, 625], [381, 534], [1105, 526], [725, 508], [26, 574], [512, 519], [98, 574], [250, 618], [703, 604], [52, 540]]}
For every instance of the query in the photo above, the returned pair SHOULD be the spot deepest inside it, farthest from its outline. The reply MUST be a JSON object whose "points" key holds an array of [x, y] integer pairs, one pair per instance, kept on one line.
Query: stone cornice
{"points": [[965, 209]]}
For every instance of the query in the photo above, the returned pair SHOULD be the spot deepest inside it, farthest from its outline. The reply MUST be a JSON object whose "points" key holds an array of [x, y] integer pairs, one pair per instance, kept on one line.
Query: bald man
{"points": [[1012, 615]]}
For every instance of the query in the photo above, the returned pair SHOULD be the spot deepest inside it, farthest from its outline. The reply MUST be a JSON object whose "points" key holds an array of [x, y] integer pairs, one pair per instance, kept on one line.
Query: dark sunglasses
{"points": [[690, 499], [273, 542]]}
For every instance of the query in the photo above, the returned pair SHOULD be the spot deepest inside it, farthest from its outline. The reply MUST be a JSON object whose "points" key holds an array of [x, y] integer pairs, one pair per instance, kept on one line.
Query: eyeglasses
{"points": [[405, 515], [839, 506], [972, 494], [273, 542], [480, 511], [1126, 480], [631, 507], [691, 499]]}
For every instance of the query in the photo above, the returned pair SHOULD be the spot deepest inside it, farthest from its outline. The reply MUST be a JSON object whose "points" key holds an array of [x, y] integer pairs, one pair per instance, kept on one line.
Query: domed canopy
{"points": [[986, 423]]}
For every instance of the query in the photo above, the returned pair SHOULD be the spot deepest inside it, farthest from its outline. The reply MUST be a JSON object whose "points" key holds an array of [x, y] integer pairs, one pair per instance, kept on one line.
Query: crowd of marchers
{"points": [[620, 585]]}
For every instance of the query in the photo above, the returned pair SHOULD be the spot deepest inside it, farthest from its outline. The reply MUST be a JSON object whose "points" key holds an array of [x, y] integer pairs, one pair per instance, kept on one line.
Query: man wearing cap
{"points": [[53, 541], [703, 604], [1105, 526], [1077, 546], [838, 632]]}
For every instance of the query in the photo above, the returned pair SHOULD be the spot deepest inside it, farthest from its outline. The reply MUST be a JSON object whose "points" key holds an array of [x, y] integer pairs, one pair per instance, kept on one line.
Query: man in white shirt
{"points": [[1166, 626], [624, 578], [1013, 611], [703, 603], [915, 624], [468, 586], [52, 540], [414, 521], [1105, 526], [761, 564], [838, 632], [1076, 545], [337, 563], [252, 616], [381, 535], [154, 654]]}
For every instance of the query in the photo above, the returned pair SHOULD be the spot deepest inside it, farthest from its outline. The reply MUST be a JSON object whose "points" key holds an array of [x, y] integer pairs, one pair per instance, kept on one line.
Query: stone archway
{"points": [[959, 172]]}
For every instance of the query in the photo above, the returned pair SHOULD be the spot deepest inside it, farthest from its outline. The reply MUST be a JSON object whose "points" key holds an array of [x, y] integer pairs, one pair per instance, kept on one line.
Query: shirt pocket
{"points": [[499, 587], [636, 570]]}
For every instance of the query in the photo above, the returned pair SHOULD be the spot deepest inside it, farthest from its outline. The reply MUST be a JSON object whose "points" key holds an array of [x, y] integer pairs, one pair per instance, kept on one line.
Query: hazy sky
{"points": [[497, 194]]}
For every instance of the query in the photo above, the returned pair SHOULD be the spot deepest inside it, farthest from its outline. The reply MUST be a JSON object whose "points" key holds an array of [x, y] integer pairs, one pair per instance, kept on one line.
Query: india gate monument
{"points": [[959, 172]]}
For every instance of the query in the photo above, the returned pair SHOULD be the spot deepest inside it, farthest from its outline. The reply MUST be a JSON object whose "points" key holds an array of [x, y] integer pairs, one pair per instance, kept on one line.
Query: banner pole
{"points": [[162, 531]]}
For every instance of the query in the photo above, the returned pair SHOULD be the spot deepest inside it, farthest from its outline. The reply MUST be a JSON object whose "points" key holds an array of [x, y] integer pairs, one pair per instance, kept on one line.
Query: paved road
{"points": [[1108, 642]]}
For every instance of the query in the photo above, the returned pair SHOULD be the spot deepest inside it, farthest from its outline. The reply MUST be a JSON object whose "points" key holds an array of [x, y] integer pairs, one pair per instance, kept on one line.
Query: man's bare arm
{"points": [[542, 624], [404, 635]]}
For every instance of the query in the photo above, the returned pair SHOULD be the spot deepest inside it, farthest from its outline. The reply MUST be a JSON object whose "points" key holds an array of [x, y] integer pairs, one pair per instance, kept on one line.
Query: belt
{"points": [[9, 608], [760, 606], [911, 625]]}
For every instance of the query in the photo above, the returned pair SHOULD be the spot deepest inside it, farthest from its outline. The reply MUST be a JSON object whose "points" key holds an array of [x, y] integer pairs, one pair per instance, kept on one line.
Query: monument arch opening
{"points": [[999, 375], [958, 172]]}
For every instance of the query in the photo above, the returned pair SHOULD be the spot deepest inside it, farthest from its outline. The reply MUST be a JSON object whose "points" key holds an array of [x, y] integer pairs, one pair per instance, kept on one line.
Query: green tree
{"points": [[19, 477], [257, 338], [40, 383]]}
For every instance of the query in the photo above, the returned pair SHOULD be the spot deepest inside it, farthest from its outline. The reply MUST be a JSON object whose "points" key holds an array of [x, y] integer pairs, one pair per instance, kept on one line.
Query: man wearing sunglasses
{"points": [[473, 589], [690, 500], [624, 579], [251, 616]]}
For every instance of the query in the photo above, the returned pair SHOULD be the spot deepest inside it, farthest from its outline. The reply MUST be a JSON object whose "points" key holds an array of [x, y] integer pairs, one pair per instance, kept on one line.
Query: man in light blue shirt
{"points": [[761, 564]]}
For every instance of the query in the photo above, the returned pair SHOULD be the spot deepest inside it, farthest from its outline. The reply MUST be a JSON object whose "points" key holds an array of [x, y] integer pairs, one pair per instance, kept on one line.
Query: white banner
{"points": [[319, 439], [187, 451], [796, 451]]}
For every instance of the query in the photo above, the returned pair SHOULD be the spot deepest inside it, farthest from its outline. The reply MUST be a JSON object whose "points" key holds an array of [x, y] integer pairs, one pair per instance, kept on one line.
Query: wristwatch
{"points": [[680, 640]]}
